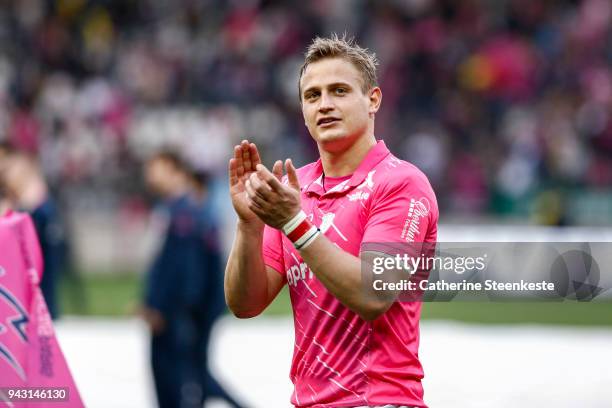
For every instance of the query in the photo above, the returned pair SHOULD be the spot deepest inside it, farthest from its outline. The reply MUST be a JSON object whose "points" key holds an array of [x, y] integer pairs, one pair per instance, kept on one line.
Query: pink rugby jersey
{"points": [[339, 359]]}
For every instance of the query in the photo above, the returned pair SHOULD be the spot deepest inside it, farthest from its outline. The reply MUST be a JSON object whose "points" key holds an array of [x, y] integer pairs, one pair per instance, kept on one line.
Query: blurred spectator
{"points": [[522, 89], [210, 300], [183, 289], [28, 191]]}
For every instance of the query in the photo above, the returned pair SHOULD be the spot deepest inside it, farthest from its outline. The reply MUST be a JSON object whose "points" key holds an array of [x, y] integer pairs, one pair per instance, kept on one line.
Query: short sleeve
{"points": [[404, 212], [273, 249]]}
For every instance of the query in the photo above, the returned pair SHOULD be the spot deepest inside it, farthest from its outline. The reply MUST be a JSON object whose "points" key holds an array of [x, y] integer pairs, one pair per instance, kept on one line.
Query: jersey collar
{"points": [[374, 156]]}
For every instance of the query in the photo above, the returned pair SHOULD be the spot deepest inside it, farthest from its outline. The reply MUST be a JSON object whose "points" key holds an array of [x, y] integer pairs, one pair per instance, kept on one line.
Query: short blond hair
{"points": [[346, 48]]}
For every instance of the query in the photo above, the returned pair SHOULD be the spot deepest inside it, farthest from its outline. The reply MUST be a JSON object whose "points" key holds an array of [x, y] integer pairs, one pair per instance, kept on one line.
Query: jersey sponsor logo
{"points": [[296, 273], [358, 195], [418, 209]]}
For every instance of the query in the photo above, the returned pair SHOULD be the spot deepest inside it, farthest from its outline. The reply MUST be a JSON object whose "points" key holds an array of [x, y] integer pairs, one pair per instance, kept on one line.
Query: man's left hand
{"points": [[272, 201]]}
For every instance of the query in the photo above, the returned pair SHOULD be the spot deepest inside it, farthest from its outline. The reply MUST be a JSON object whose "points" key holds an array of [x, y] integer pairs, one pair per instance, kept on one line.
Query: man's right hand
{"points": [[241, 166], [250, 285]]}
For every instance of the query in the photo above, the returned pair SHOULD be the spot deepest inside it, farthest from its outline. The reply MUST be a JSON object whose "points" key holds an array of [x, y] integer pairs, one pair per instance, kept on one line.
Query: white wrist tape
{"points": [[300, 231], [303, 240], [294, 222], [308, 238]]}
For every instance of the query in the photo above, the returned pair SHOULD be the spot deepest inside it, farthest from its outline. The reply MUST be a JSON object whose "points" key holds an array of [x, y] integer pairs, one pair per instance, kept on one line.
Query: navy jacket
{"points": [[52, 238], [177, 279]]}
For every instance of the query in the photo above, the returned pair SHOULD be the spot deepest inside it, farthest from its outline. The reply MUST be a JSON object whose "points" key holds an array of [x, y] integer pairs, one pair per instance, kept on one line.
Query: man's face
{"points": [[336, 110], [159, 176], [18, 174]]}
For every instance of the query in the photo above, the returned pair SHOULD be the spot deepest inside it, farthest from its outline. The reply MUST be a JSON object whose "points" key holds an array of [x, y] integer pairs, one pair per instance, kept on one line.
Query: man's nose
{"points": [[327, 102]]}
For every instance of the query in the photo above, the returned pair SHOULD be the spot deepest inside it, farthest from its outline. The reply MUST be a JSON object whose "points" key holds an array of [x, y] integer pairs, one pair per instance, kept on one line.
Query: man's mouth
{"points": [[326, 121]]}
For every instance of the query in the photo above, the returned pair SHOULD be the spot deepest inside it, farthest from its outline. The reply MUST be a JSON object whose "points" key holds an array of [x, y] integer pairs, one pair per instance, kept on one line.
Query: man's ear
{"points": [[375, 95]]}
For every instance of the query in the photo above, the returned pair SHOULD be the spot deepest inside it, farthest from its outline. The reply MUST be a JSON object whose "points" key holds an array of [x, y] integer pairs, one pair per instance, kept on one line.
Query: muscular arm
{"points": [[250, 285], [340, 272]]}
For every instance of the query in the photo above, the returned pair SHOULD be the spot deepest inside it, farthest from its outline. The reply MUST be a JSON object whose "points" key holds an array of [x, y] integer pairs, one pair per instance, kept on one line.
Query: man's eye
{"points": [[312, 95], [340, 91]]}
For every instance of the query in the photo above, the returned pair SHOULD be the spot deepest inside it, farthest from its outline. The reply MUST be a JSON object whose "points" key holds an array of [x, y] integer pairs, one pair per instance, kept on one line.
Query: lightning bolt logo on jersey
{"points": [[12, 329]]}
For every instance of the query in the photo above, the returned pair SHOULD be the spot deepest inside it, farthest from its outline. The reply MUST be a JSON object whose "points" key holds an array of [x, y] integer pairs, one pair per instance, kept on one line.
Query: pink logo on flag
{"points": [[30, 356]]}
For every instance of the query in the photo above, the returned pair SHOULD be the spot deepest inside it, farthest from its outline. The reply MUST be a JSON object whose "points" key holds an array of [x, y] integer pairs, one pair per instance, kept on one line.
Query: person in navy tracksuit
{"points": [[178, 290], [51, 235], [211, 304]]}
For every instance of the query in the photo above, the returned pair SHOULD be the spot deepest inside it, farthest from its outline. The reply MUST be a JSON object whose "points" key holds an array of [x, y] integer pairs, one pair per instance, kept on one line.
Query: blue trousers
{"points": [[179, 357]]}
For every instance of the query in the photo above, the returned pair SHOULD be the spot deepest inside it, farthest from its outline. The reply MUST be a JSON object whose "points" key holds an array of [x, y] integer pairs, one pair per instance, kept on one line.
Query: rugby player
{"points": [[306, 229]]}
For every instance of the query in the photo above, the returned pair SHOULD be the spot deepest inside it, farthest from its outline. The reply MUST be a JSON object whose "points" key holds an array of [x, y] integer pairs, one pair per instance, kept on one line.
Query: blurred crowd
{"points": [[505, 105]]}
